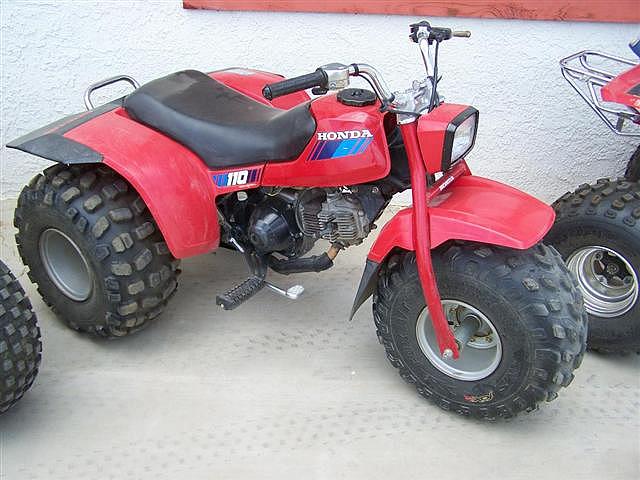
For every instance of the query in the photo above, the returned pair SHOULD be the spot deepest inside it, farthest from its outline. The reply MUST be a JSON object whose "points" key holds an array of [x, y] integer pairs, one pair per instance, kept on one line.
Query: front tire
{"points": [[93, 249], [597, 231], [20, 346], [534, 327]]}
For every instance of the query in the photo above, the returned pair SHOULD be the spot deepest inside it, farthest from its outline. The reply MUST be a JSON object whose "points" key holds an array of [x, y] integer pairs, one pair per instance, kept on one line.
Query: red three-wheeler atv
{"points": [[470, 306]]}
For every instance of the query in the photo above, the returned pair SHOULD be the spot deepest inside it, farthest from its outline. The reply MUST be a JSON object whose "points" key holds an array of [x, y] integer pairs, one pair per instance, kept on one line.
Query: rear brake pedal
{"points": [[292, 293], [241, 293]]}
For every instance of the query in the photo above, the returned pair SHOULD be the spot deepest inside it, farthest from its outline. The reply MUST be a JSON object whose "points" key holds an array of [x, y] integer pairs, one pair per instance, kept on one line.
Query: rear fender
{"points": [[624, 89], [471, 208], [50, 142], [173, 182]]}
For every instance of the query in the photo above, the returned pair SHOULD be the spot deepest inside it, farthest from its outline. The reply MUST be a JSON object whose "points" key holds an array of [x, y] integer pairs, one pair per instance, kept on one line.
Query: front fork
{"points": [[422, 242]]}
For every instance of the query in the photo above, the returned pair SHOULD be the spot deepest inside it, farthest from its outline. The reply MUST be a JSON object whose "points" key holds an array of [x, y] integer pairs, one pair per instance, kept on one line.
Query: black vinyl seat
{"points": [[221, 125]]}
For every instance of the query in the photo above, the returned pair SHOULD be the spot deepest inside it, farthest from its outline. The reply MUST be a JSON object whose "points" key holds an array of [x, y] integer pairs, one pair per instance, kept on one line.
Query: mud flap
{"points": [[367, 285]]}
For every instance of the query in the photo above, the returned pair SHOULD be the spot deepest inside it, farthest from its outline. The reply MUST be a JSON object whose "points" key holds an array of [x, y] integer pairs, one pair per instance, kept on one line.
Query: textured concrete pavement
{"points": [[281, 389]]}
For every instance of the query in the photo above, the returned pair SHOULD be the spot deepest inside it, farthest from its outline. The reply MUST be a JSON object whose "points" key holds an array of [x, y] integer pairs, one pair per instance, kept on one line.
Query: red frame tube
{"points": [[422, 240]]}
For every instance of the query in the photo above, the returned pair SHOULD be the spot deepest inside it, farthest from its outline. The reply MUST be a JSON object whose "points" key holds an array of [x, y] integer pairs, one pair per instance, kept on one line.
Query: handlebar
{"points": [[295, 84], [424, 30], [335, 76]]}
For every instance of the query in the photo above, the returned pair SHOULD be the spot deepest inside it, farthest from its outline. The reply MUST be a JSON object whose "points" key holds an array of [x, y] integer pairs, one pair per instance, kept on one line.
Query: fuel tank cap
{"points": [[356, 97]]}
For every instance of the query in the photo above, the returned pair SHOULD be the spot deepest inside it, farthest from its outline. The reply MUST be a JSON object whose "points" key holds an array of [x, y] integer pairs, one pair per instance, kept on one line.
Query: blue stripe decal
{"points": [[221, 179], [344, 148], [320, 148], [315, 150], [365, 145], [326, 149], [357, 146], [329, 148]]}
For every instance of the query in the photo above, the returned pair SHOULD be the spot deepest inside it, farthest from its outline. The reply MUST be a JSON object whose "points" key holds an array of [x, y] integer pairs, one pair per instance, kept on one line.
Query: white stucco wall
{"points": [[535, 132]]}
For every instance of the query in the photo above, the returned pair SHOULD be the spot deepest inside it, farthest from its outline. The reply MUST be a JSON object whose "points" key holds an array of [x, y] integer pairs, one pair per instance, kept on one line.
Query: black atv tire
{"points": [[603, 214], [529, 297], [633, 167], [128, 268], [20, 346]]}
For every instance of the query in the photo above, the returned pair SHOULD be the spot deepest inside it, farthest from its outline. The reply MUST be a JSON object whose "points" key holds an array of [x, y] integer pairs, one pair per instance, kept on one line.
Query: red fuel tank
{"points": [[348, 147]]}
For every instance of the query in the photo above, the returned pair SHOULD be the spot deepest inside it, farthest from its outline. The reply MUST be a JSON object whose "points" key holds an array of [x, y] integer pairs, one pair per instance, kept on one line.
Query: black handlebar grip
{"points": [[295, 84]]}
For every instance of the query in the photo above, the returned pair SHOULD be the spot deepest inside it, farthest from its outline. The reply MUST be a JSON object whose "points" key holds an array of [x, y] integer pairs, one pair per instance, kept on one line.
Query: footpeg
{"points": [[241, 293]]}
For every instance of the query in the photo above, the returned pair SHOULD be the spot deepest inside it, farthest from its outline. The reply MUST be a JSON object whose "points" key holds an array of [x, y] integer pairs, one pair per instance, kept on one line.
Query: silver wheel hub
{"points": [[65, 264], [607, 281], [478, 342]]}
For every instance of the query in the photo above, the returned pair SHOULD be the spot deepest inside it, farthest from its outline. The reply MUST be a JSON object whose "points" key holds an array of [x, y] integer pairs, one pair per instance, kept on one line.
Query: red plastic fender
{"points": [[619, 89], [174, 183], [475, 209]]}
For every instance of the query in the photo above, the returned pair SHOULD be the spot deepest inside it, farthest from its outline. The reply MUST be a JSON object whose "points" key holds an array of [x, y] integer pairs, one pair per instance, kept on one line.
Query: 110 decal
{"points": [[239, 177]]}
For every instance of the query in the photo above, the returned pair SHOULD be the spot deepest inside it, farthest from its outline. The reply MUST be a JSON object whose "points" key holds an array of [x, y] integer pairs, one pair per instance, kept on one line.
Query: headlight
{"points": [[460, 136], [446, 134], [463, 138]]}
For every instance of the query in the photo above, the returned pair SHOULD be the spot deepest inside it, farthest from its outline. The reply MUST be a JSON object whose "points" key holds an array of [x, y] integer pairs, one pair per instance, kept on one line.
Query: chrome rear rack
{"points": [[588, 79], [103, 83]]}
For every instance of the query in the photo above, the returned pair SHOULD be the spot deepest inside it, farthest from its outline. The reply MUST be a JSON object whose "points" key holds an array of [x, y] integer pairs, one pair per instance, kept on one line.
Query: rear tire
{"points": [[633, 167], [94, 250], [531, 302], [603, 220], [20, 346]]}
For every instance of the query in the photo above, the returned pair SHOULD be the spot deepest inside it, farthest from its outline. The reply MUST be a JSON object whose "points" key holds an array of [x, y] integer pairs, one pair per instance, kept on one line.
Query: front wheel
{"points": [[517, 316]]}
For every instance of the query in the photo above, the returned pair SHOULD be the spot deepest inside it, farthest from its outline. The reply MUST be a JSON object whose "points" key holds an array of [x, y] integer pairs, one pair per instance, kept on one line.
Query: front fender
{"points": [[475, 209], [471, 208]]}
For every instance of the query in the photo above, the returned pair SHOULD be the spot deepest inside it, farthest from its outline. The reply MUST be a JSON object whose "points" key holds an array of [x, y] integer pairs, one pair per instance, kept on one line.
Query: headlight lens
{"points": [[464, 137]]}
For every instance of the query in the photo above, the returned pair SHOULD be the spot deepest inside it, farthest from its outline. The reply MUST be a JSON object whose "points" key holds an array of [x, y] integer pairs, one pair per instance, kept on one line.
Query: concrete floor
{"points": [[280, 389]]}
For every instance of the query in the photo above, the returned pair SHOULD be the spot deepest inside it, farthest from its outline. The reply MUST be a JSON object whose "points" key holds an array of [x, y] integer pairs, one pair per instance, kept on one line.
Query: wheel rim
{"points": [[65, 264], [607, 280], [480, 346]]}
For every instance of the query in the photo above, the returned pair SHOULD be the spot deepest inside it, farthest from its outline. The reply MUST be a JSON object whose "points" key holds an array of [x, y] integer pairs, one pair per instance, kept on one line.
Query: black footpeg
{"points": [[241, 293]]}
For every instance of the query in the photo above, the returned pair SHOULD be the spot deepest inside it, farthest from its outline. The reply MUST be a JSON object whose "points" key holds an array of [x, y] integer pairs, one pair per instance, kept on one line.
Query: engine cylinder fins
{"points": [[338, 217]]}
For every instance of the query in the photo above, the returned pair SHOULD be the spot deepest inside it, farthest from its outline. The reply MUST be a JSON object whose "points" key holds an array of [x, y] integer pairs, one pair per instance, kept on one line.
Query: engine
{"points": [[290, 221], [343, 216], [273, 227]]}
